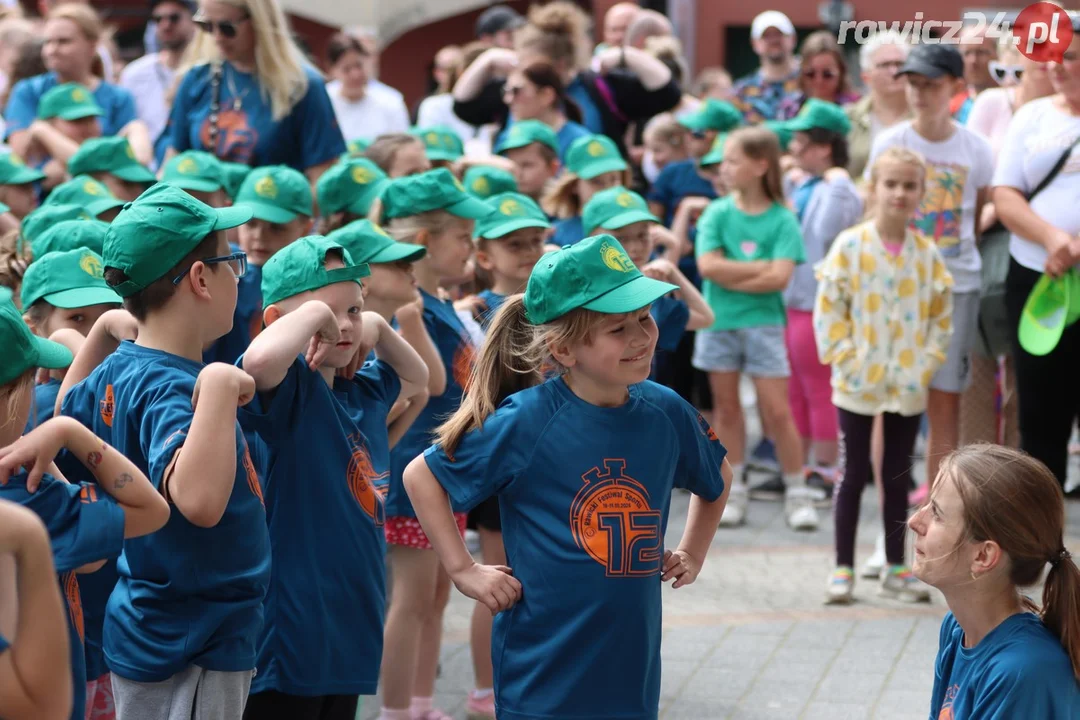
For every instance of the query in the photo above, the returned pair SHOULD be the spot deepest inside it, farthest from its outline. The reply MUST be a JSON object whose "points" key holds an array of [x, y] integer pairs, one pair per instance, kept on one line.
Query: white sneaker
{"points": [[799, 507], [841, 584], [900, 584], [876, 562], [735, 510]]}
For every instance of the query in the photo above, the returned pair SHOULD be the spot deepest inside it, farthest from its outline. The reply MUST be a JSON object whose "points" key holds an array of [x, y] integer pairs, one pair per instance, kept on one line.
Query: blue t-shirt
{"points": [[584, 493], [186, 595], [492, 302], [323, 614], [457, 352], [1019, 670], [671, 316], [82, 530], [308, 136], [22, 105], [229, 347], [368, 398], [678, 181], [591, 117], [802, 194], [568, 231], [44, 403]]}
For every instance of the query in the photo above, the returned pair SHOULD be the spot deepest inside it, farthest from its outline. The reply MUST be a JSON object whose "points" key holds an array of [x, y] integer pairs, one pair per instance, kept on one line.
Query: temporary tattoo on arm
{"points": [[121, 481]]}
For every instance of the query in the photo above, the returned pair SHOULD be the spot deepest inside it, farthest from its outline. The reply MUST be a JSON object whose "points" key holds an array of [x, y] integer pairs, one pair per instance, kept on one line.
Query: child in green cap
{"points": [[534, 148], [176, 639], [399, 155], [583, 464], [312, 421], [200, 174], [483, 181], [431, 209], [346, 192], [89, 194], [111, 161], [67, 116], [593, 163], [442, 145], [17, 185], [87, 523], [281, 201], [233, 175]]}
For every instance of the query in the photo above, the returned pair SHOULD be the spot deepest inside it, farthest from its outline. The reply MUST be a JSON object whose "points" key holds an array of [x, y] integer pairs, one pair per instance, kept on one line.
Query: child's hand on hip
{"points": [[681, 566], [493, 585]]}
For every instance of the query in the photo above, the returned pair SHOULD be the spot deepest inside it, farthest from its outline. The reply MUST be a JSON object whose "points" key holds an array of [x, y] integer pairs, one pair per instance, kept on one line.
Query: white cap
{"points": [[771, 19]]}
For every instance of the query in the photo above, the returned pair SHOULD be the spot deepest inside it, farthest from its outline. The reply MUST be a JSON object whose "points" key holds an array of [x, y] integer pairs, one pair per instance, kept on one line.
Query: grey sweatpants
{"points": [[194, 694]]}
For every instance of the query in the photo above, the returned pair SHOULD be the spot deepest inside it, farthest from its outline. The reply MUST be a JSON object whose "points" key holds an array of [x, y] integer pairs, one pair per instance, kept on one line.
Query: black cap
{"points": [[191, 5], [933, 61], [498, 18]]}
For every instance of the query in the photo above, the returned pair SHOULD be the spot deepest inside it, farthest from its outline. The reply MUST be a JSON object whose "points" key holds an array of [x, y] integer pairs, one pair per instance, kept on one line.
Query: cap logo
{"points": [[480, 185], [91, 187], [511, 208], [379, 229], [91, 265], [615, 258], [432, 138], [266, 187], [595, 148], [77, 95], [187, 166], [458, 185], [517, 133], [361, 175], [624, 199], [15, 159], [130, 153]]}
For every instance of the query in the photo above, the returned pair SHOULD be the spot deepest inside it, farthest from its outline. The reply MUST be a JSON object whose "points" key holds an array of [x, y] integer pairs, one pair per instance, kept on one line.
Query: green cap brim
{"points": [[470, 208], [398, 252], [4, 208], [80, 114], [628, 218], [267, 212], [51, 355], [1044, 317], [135, 174], [795, 124], [83, 297], [695, 122], [599, 167], [442, 155], [510, 226], [104, 205], [634, 295], [23, 176], [196, 184], [231, 217]]}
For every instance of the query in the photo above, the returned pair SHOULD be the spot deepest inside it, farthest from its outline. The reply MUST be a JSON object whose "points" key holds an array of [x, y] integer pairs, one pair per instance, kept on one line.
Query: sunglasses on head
{"points": [[824, 74], [1003, 73], [166, 17], [227, 28]]}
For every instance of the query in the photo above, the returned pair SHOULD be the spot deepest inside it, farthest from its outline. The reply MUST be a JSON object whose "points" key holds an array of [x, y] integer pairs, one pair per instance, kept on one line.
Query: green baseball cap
{"points": [[70, 101], [357, 147], [615, 208], [154, 233], [595, 274], [41, 219], [111, 154], [1052, 306], [233, 176], [780, 129], [69, 235], [86, 192], [593, 155], [713, 114], [369, 243], [13, 170], [301, 266], [433, 190], [526, 132], [441, 142], [276, 194], [483, 181], [350, 186], [715, 156], [23, 349], [820, 114], [71, 279], [509, 212], [194, 170], [4, 208]]}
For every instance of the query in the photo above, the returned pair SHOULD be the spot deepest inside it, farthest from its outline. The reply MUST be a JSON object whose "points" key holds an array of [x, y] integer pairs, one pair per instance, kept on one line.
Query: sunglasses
{"points": [[237, 263], [166, 17], [513, 90], [227, 28], [824, 74], [1002, 73]]}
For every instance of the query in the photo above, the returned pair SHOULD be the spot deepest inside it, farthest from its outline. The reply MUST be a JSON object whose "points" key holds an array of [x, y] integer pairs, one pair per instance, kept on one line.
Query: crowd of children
{"points": [[235, 400]]}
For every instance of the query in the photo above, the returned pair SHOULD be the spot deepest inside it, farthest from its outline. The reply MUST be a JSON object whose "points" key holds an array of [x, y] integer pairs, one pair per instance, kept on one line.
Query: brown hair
{"points": [[559, 31], [761, 144], [158, 293], [89, 23], [10, 393], [562, 199], [1014, 500], [334, 221], [341, 43], [667, 129], [822, 42], [385, 148], [543, 75], [15, 255]]}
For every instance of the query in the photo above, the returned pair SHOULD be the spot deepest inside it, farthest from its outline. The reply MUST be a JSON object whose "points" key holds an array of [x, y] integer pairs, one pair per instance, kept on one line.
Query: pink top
{"points": [[990, 116], [894, 248]]}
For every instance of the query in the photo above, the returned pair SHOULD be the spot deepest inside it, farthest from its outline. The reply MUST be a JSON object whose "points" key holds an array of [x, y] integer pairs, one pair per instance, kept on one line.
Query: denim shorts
{"points": [[758, 351]]}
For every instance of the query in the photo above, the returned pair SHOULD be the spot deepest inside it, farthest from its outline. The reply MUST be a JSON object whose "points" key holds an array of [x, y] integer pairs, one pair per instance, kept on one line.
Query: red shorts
{"points": [[406, 531]]}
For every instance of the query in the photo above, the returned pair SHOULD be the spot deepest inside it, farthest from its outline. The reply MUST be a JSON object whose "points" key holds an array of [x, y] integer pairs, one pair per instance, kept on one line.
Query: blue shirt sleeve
{"points": [[22, 104], [701, 455], [123, 107], [671, 316], [662, 190], [275, 413], [179, 125], [316, 111], [163, 428], [84, 526], [379, 381]]}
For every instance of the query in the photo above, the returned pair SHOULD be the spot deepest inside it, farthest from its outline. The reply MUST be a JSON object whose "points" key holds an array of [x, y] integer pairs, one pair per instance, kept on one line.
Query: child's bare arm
{"points": [[722, 271], [702, 519], [111, 328], [775, 278], [701, 315], [411, 322], [311, 327], [392, 349]]}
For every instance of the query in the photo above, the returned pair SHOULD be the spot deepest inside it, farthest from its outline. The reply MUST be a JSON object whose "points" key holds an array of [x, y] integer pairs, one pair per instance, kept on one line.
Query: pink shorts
{"points": [[406, 531], [99, 699]]}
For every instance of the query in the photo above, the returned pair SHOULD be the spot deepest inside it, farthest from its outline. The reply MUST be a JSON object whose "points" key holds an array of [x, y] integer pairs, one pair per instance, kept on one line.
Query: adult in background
{"points": [[712, 82], [150, 79], [370, 42], [760, 94], [495, 27], [1045, 238], [72, 33], [105, 56], [823, 74], [647, 24], [616, 22], [885, 105], [535, 92], [250, 96], [438, 109], [361, 114], [630, 85], [978, 50]]}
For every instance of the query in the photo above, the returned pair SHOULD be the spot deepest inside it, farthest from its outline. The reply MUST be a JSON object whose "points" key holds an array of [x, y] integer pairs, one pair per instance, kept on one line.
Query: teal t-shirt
{"points": [[771, 235]]}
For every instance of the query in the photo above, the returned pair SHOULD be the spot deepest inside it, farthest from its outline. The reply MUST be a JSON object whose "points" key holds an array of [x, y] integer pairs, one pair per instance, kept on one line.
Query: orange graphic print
{"points": [[236, 138], [74, 602], [946, 712], [88, 494], [706, 428], [464, 357], [362, 477], [252, 476], [612, 521], [107, 406]]}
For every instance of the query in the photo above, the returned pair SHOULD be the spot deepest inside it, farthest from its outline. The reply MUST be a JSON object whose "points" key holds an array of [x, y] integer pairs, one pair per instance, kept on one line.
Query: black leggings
{"points": [[273, 705], [855, 473], [1047, 387]]}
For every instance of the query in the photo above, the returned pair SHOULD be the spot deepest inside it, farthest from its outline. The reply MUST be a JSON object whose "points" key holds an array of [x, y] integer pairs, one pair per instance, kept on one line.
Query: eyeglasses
{"points": [[166, 17], [513, 90], [1002, 73], [237, 263], [825, 74], [227, 28]]}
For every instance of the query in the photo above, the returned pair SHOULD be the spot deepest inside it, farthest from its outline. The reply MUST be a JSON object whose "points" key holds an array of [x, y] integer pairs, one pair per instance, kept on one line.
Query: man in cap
{"points": [[495, 27], [759, 95]]}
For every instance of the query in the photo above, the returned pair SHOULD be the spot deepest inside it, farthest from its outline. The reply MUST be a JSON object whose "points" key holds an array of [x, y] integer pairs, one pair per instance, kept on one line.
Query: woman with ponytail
{"points": [[994, 522]]}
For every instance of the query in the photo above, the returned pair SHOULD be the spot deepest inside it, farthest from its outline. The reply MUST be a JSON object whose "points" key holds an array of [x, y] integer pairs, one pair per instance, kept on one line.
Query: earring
{"points": [[974, 577]]}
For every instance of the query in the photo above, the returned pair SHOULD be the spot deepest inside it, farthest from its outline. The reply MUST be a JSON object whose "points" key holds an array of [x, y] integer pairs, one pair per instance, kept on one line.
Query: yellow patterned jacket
{"points": [[883, 322]]}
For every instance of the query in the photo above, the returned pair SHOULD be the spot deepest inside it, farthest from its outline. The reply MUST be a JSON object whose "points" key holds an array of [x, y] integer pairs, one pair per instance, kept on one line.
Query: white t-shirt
{"points": [[959, 167], [149, 80], [378, 113], [1038, 135], [439, 110]]}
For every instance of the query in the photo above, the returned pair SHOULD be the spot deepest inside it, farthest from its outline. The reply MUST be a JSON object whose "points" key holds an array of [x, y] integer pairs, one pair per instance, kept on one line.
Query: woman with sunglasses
{"points": [[822, 75], [250, 96], [536, 92]]}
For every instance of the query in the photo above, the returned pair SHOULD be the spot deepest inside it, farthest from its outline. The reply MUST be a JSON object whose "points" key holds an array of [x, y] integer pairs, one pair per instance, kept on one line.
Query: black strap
{"points": [[217, 70], [1054, 170]]}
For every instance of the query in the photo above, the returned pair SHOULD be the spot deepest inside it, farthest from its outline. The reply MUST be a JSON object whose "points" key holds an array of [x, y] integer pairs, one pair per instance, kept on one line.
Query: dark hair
{"points": [[544, 75], [837, 143], [342, 43], [335, 221], [822, 42], [158, 293]]}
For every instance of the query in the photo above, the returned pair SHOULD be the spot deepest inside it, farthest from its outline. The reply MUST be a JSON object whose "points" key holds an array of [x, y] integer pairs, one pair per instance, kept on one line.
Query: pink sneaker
{"points": [[480, 708], [919, 496]]}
